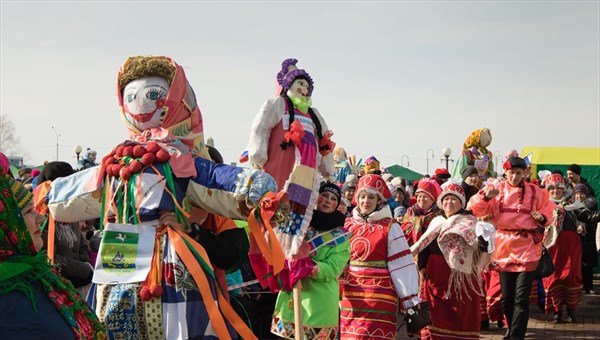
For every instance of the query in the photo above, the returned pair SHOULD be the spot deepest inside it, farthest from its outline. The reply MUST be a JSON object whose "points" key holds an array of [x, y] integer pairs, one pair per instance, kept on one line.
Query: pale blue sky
{"points": [[391, 78]]}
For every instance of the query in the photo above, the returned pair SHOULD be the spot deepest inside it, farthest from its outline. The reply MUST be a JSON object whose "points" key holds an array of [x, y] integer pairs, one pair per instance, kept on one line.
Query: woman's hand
{"points": [[168, 218]]}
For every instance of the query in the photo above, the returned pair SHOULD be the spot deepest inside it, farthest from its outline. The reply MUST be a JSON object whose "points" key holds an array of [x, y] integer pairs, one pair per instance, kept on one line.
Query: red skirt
{"points": [[451, 318], [564, 287], [493, 295]]}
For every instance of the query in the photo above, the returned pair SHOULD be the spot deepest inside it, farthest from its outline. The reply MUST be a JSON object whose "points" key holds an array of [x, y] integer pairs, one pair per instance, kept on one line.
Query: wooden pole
{"points": [[297, 296]]}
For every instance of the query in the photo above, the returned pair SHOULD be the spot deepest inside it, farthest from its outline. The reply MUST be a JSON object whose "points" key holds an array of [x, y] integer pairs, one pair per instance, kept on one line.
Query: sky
{"points": [[400, 80]]}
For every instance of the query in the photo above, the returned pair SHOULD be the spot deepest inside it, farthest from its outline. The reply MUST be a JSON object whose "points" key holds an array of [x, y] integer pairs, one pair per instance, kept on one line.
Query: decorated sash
{"points": [[328, 238]]}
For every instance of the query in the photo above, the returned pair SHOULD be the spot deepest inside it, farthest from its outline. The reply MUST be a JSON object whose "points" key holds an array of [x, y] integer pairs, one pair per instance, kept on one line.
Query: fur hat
{"points": [[575, 168], [468, 171], [387, 176], [350, 178], [441, 173], [348, 186], [372, 184], [54, 170], [24, 171], [581, 188], [514, 163], [429, 187], [289, 72], [397, 181], [554, 180], [452, 188]]}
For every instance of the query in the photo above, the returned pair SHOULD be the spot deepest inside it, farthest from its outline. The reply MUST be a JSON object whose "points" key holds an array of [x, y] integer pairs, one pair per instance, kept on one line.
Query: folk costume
{"points": [[475, 153], [329, 254], [382, 276], [164, 167], [34, 300], [449, 251], [518, 239], [416, 220], [290, 141], [564, 286]]}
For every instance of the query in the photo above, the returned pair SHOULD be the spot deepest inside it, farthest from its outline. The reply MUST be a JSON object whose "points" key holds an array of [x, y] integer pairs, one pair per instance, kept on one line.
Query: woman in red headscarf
{"points": [[451, 260], [382, 271], [564, 286], [419, 215]]}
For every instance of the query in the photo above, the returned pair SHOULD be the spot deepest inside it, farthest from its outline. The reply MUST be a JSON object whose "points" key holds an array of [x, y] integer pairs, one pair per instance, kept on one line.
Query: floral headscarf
{"points": [[21, 263]]}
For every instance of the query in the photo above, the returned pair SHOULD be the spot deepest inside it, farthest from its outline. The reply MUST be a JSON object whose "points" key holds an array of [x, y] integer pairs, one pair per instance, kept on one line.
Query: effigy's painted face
{"points": [[486, 138], [144, 100], [299, 88]]}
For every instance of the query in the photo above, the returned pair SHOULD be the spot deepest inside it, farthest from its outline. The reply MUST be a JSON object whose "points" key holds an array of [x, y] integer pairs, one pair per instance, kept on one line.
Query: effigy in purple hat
{"points": [[289, 72]]}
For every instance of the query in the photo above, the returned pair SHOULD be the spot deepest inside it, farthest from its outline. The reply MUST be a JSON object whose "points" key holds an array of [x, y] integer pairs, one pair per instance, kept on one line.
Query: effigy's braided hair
{"points": [[146, 66]]}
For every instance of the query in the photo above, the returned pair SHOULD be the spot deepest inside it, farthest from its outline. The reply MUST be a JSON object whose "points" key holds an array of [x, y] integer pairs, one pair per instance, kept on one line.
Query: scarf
{"points": [[301, 103], [419, 217], [21, 263], [326, 221], [457, 240]]}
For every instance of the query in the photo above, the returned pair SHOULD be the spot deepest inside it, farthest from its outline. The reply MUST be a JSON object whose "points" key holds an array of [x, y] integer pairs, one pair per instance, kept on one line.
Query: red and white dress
{"points": [[381, 271]]}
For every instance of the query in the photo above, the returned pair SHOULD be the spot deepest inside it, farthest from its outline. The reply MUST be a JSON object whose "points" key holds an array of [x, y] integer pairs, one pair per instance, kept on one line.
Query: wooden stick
{"points": [[297, 296]]}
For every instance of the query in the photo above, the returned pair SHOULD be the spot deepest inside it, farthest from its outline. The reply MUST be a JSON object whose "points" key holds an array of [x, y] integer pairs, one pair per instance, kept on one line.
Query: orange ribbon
{"points": [[272, 253], [51, 233], [176, 238], [40, 193]]}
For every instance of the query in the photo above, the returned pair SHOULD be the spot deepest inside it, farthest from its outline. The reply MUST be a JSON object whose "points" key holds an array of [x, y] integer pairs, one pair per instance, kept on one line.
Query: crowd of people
{"points": [[145, 244], [462, 246]]}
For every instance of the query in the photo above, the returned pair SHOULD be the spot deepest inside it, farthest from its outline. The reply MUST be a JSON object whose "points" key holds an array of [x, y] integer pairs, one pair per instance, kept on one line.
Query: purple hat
{"points": [[581, 188], [289, 72]]}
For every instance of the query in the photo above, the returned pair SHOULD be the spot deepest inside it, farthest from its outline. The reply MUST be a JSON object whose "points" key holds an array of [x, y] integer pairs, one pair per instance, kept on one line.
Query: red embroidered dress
{"points": [[381, 271]]}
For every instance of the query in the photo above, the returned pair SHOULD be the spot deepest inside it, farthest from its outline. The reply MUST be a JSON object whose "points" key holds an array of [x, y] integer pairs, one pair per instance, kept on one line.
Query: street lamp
{"points": [[446, 152], [77, 150], [57, 135], [402, 161], [427, 158]]}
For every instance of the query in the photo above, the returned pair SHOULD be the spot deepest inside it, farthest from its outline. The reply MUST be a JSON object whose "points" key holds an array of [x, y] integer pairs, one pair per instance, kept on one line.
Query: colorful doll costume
{"points": [[160, 169], [382, 275], [35, 302], [475, 153], [290, 141]]}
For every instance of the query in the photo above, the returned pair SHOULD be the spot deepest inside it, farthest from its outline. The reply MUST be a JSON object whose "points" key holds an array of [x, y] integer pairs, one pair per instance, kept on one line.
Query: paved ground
{"points": [[541, 326]]}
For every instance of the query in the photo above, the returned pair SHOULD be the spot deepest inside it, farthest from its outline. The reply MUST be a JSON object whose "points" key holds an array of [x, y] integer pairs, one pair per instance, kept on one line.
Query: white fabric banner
{"points": [[125, 253]]}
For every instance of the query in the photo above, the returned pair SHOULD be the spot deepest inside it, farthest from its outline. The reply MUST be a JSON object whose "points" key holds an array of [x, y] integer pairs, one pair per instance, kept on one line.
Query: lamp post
{"points": [[446, 152], [402, 161], [427, 158], [77, 150], [57, 135], [497, 158]]}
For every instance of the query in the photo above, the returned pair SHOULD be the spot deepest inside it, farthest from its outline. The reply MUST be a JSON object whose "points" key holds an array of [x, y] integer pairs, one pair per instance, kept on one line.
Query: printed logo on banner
{"points": [[120, 251]]}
